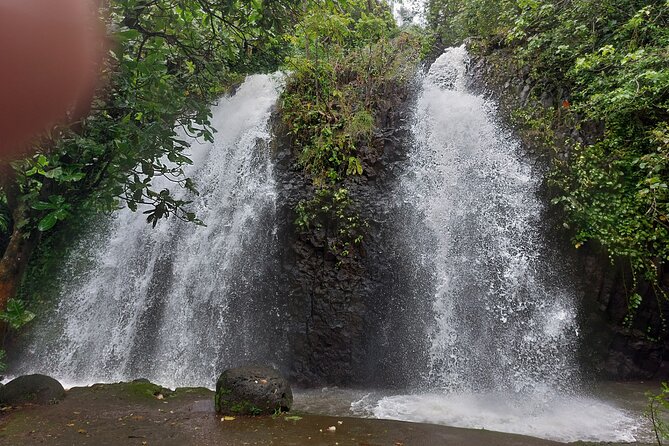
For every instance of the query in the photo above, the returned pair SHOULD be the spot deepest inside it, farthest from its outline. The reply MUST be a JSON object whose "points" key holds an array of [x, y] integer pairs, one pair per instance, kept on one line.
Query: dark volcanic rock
{"points": [[35, 389], [352, 320], [252, 391]]}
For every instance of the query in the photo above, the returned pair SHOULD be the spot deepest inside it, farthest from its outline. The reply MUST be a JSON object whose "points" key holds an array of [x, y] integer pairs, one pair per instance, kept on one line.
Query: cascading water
{"points": [[499, 325], [503, 339], [175, 304], [178, 303]]}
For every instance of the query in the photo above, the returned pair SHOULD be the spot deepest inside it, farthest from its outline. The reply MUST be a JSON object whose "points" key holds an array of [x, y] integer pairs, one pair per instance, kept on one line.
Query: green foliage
{"points": [[38, 288], [332, 95], [171, 58], [452, 21], [5, 218], [5, 221], [16, 315], [349, 58], [615, 191], [657, 411], [333, 210]]}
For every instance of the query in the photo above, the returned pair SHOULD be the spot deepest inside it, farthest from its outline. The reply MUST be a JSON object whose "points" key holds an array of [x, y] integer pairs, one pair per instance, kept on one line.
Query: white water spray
{"points": [[503, 340], [160, 303], [498, 324]]}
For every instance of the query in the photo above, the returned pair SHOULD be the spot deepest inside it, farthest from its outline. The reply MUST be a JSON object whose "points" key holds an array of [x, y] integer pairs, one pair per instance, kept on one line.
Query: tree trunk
{"points": [[14, 263]]}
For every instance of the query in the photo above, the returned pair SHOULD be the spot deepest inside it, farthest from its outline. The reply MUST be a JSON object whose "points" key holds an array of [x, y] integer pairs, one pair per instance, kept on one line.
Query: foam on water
{"points": [[561, 418], [586, 416]]}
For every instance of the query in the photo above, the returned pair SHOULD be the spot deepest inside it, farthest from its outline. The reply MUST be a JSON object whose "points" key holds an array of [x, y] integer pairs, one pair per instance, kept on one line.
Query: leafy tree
{"points": [[454, 20]]}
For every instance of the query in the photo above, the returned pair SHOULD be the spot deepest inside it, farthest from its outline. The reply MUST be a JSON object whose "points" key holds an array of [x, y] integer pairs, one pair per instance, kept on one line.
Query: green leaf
{"points": [[16, 315], [42, 206], [61, 214], [48, 222], [293, 418], [54, 173]]}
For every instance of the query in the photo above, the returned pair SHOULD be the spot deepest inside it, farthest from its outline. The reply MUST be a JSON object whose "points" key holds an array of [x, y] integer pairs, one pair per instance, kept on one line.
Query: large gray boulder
{"points": [[34, 389], [252, 391]]}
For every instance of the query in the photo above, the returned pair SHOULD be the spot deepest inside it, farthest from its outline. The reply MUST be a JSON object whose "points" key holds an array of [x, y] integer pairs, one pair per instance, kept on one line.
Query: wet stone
{"points": [[33, 389], [252, 391]]}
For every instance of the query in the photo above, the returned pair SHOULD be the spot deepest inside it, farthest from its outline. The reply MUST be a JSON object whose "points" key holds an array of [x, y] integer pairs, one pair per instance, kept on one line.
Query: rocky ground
{"points": [[141, 413]]}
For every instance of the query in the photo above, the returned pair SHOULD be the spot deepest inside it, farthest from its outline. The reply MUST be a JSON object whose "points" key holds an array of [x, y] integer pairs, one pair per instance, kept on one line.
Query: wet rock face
{"points": [[33, 389], [252, 391], [624, 348], [345, 319]]}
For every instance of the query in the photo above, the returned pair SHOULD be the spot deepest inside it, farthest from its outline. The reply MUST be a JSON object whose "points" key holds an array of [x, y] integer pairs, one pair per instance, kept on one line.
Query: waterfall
{"points": [[177, 303], [489, 318], [499, 323], [503, 334]]}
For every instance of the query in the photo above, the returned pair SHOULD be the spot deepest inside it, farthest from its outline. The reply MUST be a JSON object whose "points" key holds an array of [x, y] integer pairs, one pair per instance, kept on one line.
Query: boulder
{"points": [[252, 391], [35, 389]]}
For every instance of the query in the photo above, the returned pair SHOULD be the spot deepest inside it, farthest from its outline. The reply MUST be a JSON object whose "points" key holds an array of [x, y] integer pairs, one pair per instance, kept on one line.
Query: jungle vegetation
{"points": [[348, 65]]}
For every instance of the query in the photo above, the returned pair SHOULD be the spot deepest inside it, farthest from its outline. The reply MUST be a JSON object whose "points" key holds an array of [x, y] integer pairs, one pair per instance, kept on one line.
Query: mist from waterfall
{"points": [[176, 303]]}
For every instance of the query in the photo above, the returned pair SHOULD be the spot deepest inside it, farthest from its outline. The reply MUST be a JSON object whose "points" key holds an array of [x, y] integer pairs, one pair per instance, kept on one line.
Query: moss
{"points": [[245, 407], [135, 390], [22, 422], [219, 403]]}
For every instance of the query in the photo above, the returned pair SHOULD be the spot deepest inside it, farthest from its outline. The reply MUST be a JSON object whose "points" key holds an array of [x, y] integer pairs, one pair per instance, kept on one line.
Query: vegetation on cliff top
{"points": [[349, 63], [607, 60]]}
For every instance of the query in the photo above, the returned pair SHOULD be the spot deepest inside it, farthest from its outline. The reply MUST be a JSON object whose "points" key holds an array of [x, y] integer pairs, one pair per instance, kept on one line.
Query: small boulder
{"points": [[35, 389], [252, 391]]}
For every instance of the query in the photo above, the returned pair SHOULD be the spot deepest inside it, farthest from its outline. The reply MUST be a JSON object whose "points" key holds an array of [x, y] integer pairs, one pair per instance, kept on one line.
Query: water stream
{"points": [[171, 304], [504, 331]]}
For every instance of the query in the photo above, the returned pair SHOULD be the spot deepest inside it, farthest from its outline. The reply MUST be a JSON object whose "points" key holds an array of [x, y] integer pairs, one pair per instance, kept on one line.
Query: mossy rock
{"points": [[252, 391], [134, 390], [33, 389]]}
